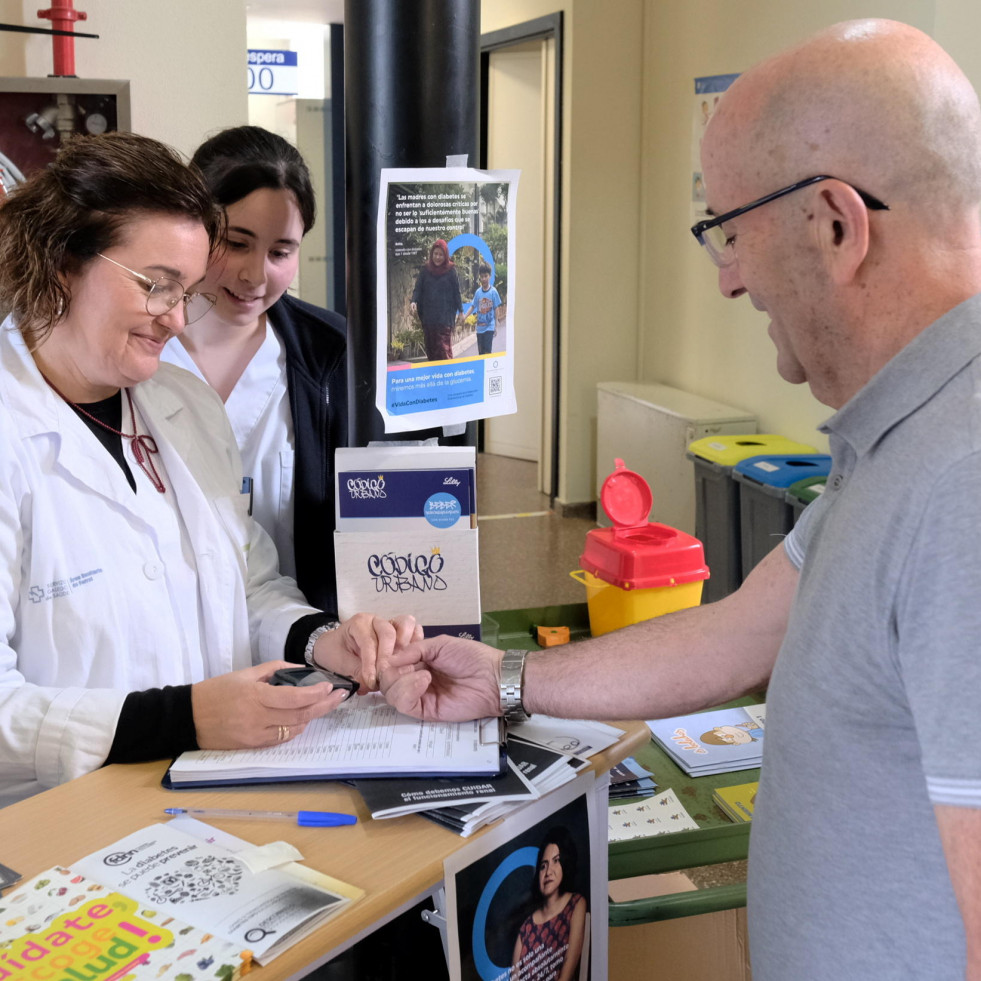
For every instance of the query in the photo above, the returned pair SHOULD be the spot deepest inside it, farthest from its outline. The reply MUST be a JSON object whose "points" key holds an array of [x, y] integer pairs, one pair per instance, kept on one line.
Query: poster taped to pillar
{"points": [[446, 292]]}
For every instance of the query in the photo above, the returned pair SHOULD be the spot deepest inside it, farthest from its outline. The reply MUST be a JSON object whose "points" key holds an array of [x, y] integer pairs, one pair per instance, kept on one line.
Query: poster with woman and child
{"points": [[446, 345], [527, 901]]}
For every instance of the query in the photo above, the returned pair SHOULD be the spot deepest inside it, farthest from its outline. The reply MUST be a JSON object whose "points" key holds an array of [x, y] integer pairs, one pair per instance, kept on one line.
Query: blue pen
{"points": [[306, 819]]}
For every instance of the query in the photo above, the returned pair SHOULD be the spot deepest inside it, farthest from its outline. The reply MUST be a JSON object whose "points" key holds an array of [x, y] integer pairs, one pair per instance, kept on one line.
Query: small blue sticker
{"points": [[442, 510]]}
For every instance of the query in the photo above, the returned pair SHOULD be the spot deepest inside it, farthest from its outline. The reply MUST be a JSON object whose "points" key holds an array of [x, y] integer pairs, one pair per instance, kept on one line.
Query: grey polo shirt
{"points": [[874, 701]]}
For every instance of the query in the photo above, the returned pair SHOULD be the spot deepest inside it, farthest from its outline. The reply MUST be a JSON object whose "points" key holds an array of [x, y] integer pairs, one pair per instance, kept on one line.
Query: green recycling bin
{"points": [[801, 494]]}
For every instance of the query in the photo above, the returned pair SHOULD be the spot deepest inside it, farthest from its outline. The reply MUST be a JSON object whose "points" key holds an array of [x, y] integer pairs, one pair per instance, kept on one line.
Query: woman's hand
{"points": [[241, 710], [363, 645]]}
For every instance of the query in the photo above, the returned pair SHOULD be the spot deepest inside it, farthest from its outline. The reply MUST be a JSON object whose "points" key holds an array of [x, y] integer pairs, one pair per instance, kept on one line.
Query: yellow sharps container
{"points": [[637, 569]]}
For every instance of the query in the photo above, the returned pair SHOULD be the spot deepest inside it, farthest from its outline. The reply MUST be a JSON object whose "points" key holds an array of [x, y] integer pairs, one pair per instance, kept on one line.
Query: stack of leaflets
{"points": [[717, 741], [543, 768], [406, 535], [629, 779], [543, 754], [737, 803], [394, 797], [661, 815], [180, 901]]}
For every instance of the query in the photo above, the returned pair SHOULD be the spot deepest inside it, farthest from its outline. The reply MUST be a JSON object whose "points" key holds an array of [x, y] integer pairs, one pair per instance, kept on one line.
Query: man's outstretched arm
{"points": [[676, 663]]}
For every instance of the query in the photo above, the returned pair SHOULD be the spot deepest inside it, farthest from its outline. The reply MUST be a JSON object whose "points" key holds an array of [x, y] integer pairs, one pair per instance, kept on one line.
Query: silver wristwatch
{"points": [[314, 637], [512, 679]]}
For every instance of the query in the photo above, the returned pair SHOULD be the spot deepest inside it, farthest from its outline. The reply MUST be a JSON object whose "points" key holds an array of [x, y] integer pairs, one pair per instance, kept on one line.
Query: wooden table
{"points": [[396, 861]]}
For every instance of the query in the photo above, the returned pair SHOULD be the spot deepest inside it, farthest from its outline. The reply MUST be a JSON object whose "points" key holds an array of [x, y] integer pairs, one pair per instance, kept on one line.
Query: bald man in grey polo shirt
{"points": [[845, 177]]}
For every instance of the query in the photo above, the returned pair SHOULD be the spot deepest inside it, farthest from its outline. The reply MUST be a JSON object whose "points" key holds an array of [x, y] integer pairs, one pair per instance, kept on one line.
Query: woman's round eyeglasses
{"points": [[162, 295]]}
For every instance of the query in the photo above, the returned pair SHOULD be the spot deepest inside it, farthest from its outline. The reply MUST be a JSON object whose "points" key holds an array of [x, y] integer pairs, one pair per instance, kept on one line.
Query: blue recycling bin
{"points": [[717, 500], [765, 516]]}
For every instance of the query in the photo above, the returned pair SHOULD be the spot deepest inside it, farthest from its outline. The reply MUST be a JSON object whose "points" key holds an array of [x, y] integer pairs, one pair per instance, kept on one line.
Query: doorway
{"points": [[521, 129]]}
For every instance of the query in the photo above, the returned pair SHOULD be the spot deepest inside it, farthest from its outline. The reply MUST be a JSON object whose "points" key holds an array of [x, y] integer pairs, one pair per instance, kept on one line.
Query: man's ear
{"points": [[842, 228]]}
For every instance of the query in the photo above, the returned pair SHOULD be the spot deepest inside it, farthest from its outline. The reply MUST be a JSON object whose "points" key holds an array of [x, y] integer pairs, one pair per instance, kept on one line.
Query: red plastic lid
{"points": [[626, 498], [637, 553]]}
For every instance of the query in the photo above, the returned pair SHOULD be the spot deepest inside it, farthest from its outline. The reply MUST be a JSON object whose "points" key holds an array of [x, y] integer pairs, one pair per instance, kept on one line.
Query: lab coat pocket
{"points": [[233, 513]]}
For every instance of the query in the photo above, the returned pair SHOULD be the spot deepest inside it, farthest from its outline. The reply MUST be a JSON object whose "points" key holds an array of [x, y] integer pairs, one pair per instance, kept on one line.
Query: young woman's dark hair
{"points": [[79, 205], [240, 160]]}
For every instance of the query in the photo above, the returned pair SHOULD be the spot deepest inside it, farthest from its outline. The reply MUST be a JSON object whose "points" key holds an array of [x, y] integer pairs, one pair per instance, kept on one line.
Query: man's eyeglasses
{"points": [[719, 246], [162, 295]]}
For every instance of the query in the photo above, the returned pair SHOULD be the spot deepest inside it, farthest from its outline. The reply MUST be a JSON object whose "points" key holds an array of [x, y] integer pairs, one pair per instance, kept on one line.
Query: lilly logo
{"points": [[451, 482]]}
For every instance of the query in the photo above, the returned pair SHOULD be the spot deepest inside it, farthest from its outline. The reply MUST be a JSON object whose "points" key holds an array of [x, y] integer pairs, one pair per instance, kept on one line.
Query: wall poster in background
{"points": [[708, 91], [446, 344], [532, 893]]}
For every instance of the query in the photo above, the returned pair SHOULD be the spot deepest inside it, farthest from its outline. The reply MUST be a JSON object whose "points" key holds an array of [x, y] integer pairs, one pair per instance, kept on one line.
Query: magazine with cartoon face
{"points": [[722, 739]]}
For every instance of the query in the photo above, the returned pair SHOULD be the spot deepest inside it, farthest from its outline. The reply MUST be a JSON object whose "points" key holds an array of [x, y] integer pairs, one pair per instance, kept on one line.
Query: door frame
{"points": [[541, 28]]}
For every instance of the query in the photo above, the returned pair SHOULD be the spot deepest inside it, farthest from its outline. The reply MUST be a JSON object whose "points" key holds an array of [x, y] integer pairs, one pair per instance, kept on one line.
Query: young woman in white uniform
{"points": [[141, 609], [278, 363]]}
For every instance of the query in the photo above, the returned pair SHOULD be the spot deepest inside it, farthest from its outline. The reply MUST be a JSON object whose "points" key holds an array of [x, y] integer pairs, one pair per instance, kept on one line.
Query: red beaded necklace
{"points": [[143, 444]]}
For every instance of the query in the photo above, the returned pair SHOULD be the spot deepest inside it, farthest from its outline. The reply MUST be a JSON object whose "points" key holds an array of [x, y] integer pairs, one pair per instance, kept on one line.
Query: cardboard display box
{"points": [[709, 947]]}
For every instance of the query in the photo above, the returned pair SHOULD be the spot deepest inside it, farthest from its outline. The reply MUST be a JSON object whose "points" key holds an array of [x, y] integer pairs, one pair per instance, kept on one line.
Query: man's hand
{"points": [[445, 679], [363, 644]]}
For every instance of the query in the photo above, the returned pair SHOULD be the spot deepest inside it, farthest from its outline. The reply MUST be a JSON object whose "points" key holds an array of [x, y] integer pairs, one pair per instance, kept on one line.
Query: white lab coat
{"points": [[258, 408], [85, 615]]}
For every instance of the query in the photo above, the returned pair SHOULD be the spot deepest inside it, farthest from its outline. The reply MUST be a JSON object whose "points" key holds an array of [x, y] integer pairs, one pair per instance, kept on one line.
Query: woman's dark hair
{"points": [[79, 205], [240, 160], [568, 857]]}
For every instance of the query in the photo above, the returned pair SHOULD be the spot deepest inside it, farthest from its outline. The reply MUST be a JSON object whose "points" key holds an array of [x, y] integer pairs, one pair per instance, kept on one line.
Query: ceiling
{"points": [[306, 11]]}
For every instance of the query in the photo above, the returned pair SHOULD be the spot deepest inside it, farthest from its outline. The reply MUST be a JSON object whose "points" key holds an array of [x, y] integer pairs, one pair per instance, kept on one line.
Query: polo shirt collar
{"points": [[910, 378]]}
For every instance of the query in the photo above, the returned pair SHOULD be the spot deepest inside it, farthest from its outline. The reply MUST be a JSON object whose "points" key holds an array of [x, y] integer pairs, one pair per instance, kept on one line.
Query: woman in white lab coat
{"points": [[278, 363], [141, 609]]}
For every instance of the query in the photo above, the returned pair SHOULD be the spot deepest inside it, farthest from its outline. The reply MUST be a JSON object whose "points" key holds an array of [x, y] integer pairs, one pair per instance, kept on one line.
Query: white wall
{"points": [[690, 336], [11, 44], [624, 227], [639, 300], [600, 214], [185, 60]]}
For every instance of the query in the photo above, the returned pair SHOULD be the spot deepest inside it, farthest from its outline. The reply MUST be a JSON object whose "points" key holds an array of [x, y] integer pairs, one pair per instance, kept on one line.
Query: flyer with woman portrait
{"points": [[528, 900]]}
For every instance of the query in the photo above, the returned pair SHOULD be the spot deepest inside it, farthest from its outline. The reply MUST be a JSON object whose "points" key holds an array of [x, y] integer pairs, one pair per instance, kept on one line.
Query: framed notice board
{"points": [[37, 114]]}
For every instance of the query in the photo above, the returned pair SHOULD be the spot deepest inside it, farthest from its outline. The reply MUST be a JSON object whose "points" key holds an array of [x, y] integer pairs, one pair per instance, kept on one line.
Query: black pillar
{"points": [[411, 92], [335, 141]]}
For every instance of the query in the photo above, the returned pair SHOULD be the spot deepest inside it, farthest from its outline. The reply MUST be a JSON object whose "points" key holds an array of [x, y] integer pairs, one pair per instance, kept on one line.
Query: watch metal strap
{"points": [[512, 681], [314, 637]]}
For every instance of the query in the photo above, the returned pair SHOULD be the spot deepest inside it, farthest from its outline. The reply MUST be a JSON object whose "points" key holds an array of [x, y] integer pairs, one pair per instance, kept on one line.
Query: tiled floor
{"points": [[526, 550]]}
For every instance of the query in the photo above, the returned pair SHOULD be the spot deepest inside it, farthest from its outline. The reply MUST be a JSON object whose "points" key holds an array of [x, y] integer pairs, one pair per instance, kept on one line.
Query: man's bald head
{"points": [[875, 103]]}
